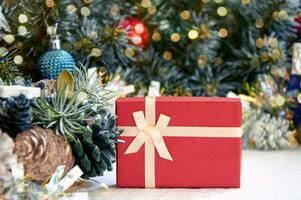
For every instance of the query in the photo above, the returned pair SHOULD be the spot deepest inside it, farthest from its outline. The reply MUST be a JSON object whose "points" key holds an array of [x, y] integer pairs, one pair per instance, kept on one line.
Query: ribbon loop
{"points": [[148, 131]]}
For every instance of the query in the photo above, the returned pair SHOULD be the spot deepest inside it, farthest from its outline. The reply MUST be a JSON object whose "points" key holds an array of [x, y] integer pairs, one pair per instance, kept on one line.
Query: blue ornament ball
{"points": [[51, 63], [293, 87]]}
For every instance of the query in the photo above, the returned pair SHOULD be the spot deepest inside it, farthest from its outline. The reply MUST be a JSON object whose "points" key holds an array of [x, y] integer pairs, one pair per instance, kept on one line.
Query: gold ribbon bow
{"points": [[149, 132]]}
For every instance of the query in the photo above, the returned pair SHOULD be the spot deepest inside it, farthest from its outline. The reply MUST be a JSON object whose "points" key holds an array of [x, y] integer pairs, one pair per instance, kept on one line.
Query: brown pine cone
{"points": [[7, 160], [41, 152]]}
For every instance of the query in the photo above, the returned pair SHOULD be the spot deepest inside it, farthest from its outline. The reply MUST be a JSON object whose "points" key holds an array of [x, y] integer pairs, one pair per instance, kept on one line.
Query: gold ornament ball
{"points": [[146, 3], [71, 8], [22, 30], [259, 43], [259, 23], [202, 61]]}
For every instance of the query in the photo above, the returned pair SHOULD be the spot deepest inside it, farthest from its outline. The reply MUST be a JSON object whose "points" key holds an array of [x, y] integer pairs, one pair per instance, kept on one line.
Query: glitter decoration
{"points": [[96, 52], [22, 30], [85, 11], [223, 33], [222, 11], [9, 38], [175, 37], [185, 14], [129, 52], [23, 18], [167, 55], [193, 34], [156, 36], [259, 23], [18, 59]]}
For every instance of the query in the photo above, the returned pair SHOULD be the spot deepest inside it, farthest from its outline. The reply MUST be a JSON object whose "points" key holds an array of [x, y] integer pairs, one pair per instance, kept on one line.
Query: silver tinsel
{"points": [[269, 133]]}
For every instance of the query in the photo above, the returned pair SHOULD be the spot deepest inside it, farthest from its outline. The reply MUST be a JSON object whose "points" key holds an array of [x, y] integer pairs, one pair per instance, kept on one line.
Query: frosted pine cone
{"points": [[41, 152]]}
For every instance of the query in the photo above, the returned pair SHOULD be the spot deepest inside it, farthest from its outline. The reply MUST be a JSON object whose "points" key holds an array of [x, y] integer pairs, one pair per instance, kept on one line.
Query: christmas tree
{"points": [[195, 47]]}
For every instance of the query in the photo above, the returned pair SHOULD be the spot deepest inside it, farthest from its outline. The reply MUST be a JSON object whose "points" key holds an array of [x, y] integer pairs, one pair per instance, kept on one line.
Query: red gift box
{"points": [[177, 142]]}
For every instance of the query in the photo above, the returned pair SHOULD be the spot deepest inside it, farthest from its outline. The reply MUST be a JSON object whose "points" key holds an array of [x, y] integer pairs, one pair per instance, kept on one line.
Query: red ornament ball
{"points": [[298, 20], [136, 31]]}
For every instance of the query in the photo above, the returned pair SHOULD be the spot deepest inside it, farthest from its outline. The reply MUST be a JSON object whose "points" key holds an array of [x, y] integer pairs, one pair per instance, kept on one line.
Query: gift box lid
{"points": [[185, 111]]}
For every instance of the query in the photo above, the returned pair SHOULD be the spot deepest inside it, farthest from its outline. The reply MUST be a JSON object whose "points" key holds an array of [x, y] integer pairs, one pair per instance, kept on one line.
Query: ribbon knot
{"points": [[150, 132]]}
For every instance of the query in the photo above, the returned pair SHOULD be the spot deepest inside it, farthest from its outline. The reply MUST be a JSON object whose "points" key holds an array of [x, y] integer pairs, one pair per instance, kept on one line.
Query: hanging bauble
{"points": [[51, 63], [294, 85], [136, 31], [298, 20]]}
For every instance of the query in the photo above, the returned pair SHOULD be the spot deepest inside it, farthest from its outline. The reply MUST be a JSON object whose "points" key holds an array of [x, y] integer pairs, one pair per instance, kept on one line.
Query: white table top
{"points": [[266, 175]]}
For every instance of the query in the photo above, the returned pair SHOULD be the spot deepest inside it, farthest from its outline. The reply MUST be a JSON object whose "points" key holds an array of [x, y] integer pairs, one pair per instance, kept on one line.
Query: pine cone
{"points": [[15, 114], [47, 86], [41, 152], [95, 151], [7, 159]]}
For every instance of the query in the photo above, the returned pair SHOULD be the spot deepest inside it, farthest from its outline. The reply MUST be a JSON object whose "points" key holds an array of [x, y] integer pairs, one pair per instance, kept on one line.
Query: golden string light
{"points": [[139, 28], [50, 3], [71, 8], [222, 11], [9, 38], [22, 30], [167, 55], [175, 37], [223, 33], [129, 52], [23, 18], [245, 1], [193, 34], [146, 3], [85, 11], [156, 36], [185, 14], [202, 60], [259, 42], [151, 10], [259, 23], [18, 59], [96, 52]]}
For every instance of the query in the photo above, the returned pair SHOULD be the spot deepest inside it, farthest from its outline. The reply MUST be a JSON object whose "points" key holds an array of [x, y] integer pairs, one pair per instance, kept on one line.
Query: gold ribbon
{"points": [[150, 133]]}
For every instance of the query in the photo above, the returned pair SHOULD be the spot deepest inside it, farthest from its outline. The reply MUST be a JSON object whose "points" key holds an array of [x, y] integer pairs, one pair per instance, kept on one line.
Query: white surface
{"points": [[271, 175]]}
